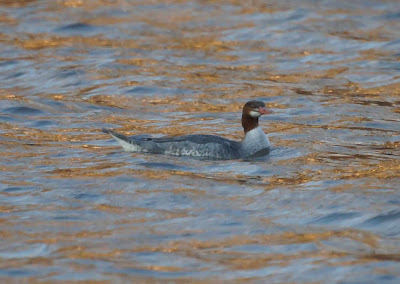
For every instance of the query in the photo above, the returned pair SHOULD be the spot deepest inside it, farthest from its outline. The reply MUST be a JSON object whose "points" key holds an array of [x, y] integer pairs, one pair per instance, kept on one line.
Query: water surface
{"points": [[322, 207]]}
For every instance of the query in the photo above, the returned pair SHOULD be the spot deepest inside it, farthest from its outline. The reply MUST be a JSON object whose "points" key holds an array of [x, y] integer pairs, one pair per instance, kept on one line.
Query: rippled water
{"points": [[323, 206]]}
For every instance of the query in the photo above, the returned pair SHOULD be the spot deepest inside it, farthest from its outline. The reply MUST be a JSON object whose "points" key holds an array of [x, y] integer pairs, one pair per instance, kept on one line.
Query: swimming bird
{"points": [[255, 141]]}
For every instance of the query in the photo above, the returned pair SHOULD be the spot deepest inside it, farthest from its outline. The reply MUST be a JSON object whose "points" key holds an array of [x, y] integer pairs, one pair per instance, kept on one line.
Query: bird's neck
{"points": [[249, 123]]}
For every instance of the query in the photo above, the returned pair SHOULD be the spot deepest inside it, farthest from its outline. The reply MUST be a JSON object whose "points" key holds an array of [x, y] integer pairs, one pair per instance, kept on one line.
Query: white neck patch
{"points": [[254, 114], [254, 141]]}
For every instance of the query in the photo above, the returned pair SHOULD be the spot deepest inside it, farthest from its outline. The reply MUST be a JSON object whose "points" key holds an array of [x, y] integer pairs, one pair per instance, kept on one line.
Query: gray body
{"points": [[208, 146]]}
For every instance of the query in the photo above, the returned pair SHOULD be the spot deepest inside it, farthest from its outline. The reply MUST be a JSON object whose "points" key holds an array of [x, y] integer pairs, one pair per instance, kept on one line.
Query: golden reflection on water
{"points": [[325, 199]]}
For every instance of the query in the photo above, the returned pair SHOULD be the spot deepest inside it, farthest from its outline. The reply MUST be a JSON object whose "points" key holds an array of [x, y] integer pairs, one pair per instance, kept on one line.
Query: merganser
{"points": [[254, 143]]}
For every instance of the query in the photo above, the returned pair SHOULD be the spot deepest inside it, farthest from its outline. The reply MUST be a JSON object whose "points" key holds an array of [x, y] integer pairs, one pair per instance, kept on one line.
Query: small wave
{"points": [[384, 218], [23, 110]]}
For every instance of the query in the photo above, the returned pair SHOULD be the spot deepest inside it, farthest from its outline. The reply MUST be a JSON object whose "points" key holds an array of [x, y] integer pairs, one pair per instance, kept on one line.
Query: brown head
{"points": [[252, 110]]}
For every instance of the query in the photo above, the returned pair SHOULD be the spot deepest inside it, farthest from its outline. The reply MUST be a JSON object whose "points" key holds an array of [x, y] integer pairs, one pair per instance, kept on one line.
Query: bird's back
{"points": [[209, 146]]}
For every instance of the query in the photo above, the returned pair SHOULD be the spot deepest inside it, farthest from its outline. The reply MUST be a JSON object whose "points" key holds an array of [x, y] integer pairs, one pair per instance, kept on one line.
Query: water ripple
{"points": [[322, 205]]}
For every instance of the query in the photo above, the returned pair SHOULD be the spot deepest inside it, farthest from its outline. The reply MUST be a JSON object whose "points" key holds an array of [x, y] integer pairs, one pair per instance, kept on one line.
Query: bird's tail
{"points": [[115, 134], [129, 144]]}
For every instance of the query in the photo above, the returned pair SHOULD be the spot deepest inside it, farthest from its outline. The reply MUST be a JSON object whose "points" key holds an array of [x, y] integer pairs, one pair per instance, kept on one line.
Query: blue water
{"points": [[323, 206]]}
